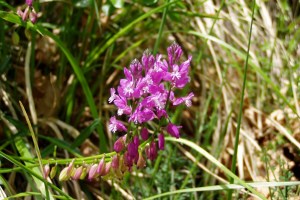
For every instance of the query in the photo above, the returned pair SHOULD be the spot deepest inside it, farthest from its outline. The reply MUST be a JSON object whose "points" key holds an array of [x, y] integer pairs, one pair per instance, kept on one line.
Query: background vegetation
{"points": [[245, 112]]}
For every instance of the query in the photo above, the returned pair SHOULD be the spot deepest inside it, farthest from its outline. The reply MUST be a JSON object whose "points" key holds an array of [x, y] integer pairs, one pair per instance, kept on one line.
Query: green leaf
{"points": [[24, 152], [94, 55], [62, 144], [85, 133]]}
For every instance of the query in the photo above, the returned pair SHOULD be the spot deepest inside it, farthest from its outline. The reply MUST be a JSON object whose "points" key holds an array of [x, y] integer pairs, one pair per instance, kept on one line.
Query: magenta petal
{"points": [[178, 101], [112, 95]]}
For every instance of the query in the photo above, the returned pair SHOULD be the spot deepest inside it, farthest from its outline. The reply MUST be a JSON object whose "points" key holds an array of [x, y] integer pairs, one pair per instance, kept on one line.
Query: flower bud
{"points": [[136, 141], [107, 168], [144, 133], [151, 151], [119, 144], [161, 141], [174, 53], [29, 2], [46, 170], [53, 171], [77, 173], [148, 60], [141, 163], [66, 173], [63, 176], [122, 167], [172, 129], [71, 167], [128, 161], [132, 150], [92, 172], [115, 162], [83, 174], [101, 166]]}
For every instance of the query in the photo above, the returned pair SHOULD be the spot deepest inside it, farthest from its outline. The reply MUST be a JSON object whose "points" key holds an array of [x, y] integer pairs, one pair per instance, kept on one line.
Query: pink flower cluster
{"points": [[144, 95], [29, 12]]}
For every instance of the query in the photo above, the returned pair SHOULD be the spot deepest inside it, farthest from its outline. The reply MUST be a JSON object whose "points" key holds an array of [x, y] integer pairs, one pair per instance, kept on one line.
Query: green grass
{"points": [[239, 137]]}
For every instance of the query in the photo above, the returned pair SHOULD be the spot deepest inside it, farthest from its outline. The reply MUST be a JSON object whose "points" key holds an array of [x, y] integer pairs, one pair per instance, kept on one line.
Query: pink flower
{"points": [[116, 125], [179, 74], [142, 96], [141, 115], [186, 100]]}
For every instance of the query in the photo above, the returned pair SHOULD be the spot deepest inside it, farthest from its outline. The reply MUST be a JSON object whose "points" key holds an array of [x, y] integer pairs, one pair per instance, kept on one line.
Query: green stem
{"points": [[237, 135]]}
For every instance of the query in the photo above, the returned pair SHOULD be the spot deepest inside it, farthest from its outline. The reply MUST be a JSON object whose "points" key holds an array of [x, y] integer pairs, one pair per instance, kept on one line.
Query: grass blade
{"points": [[225, 187], [251, 63], [239, 120], [77, 70], [100, 49], [217, 163]]}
